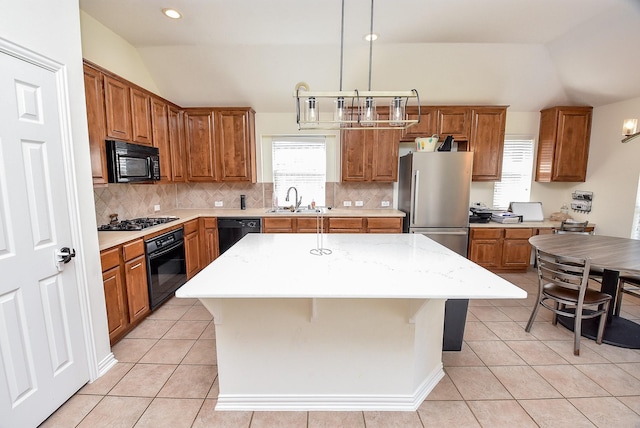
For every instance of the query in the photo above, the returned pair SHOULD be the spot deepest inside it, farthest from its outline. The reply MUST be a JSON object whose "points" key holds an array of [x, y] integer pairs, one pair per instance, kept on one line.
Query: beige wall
{"points": [[105, 48]]}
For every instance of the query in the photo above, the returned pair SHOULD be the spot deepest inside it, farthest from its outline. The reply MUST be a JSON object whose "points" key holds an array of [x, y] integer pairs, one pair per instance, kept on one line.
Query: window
{"points": [[517, 166], [299, 162]]}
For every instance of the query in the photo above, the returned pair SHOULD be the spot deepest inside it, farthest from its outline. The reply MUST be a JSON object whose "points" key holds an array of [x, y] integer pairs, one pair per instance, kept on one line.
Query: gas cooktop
{"points": [[136, 223]]}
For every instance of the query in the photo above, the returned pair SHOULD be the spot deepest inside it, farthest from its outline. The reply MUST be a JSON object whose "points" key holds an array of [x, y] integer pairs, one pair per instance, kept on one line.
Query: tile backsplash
{"points": [[138, 200]]}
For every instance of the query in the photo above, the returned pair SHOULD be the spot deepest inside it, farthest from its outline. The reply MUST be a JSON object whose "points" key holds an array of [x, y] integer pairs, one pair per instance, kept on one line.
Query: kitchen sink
{"points": [[289, 211]]}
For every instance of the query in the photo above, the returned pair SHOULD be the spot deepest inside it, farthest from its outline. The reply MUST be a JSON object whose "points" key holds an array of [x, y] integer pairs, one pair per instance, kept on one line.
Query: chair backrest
{"points": [[573, 227], [567, 272]]}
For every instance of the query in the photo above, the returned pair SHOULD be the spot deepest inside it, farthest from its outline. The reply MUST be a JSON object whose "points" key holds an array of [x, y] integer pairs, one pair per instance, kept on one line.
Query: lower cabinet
{"points": [[124, 277], [208, 240], [501, 249], [332, 224], [192, 247]]}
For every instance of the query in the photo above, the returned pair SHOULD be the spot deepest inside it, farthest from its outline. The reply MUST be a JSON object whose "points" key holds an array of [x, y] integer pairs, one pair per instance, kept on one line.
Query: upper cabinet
{"points": [[427, 125], [486, 141], [236, 146], [370, 155], [563, 146], [454, 121], [160, 126], [200, 149], [93, 87], [195, 144]]}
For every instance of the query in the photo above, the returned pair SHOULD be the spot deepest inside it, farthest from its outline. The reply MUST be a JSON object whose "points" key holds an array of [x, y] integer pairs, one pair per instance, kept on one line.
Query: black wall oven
{"points": [[166, 266]]}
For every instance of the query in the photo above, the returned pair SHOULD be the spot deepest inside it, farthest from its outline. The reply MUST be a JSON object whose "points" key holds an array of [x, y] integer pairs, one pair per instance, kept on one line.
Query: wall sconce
{"points": [[630, 130]]}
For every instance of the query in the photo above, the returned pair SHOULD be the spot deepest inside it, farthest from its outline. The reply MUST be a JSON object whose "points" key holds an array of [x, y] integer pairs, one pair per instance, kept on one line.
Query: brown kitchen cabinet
{"points": [[177, 144], [160, 122], [563, 146], [290, 224], [370, 155], [487, 142], [124, 276], [235, 144], [200, 149], [427, 125], [501, 249], [384, 225], [346, 225], [454, 121], [208, 240], [141, 130], [192, 247], [94, 97]]}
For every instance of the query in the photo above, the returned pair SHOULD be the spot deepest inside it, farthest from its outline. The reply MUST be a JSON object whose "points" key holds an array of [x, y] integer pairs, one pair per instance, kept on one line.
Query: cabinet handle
{"points": [[136, 266]]}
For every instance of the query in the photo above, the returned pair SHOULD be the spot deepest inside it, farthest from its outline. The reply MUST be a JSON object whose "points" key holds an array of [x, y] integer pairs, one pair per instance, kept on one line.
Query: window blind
{"points": [[517, 166], [299, 162]]}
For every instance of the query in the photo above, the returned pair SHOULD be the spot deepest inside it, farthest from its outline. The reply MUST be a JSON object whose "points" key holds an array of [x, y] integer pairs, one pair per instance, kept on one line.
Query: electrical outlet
{"points": [[156, 208], [346, 203], [359, 203], [385, 203], [218, 204]]}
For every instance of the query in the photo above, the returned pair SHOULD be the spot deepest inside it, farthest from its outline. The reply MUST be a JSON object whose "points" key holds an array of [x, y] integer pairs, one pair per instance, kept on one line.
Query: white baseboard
{"points": [[338, 402]]}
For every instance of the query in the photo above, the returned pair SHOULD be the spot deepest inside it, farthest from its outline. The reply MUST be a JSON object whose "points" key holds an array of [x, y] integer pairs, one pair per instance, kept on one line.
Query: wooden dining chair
{"points": [[563, 288]]}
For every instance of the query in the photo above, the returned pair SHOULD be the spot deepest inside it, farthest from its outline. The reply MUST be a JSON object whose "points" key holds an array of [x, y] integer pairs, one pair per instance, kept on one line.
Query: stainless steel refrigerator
{"points": [[433, 191]]}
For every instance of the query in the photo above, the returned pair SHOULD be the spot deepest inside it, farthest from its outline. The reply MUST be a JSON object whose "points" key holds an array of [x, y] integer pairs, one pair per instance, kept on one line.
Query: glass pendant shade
{"points": [[396, 112], [311, 110], [340, 113], [368, 112], [629, 127]]}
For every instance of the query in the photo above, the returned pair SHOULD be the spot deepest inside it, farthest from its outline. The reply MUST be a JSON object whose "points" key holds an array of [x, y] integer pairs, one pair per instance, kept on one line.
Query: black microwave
{"points": [[132, 163]]}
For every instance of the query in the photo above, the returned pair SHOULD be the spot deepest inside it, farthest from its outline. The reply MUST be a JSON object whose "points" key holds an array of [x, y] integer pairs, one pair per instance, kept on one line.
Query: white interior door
{"points": [[43, 358]]}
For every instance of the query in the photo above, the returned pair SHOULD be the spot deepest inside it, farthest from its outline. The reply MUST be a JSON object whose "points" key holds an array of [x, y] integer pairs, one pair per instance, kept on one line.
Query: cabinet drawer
{"points": [[486, 233], [518, 233], [389, 223], [308, 225], [346, 222], [209, 222], [278, 223], [133, 249], [190, 227], [110, 258]]}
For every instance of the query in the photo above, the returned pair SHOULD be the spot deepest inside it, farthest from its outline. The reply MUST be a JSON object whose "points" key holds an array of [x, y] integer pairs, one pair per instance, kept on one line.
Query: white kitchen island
{"points": [[358, 329]]}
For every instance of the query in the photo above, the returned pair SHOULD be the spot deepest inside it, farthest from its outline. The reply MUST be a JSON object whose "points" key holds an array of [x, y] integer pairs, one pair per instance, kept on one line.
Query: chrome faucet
{"points": [[297, 201]]}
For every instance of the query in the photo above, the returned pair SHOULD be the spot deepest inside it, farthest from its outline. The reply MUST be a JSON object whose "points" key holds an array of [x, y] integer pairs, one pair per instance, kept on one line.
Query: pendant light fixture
{"points": [[354, 109]]}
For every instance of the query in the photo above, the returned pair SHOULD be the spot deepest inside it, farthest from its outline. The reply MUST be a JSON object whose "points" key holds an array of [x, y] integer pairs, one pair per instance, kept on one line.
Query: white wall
{"points": [[53, 30]]}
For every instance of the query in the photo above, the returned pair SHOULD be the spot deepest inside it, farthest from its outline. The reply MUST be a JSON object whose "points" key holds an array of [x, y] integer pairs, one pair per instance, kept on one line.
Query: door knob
{"points": [[63, 256]]}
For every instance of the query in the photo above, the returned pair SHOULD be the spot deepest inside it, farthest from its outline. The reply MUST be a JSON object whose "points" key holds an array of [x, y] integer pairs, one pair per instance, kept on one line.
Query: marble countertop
{"points": [[110, 239], [360, 266]]}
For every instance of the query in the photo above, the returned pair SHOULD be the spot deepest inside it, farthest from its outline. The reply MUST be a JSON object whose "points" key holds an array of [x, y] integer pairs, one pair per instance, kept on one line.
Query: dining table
{"points": [[610, 256]]}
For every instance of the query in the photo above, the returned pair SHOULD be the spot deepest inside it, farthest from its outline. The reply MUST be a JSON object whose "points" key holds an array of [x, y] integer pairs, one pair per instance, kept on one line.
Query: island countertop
{"points": [[408, 266]]}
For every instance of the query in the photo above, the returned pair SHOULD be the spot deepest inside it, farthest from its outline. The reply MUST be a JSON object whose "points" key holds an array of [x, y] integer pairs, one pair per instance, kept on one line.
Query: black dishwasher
{"points": [[231, 230]]}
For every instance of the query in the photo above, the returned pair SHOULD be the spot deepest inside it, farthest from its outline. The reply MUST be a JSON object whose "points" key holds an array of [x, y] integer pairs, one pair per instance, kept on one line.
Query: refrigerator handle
{"points": [[416, 180]]}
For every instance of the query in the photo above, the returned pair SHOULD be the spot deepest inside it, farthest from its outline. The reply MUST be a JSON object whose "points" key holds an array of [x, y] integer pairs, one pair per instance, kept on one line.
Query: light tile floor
{"points": [[503, 377]]}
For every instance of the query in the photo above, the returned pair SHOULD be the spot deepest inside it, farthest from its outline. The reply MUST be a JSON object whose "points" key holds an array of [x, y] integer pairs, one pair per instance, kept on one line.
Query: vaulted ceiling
{"points": [[523, 53]]}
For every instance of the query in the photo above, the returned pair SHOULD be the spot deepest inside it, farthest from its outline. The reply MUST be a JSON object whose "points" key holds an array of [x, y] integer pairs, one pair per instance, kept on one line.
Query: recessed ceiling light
{"points": [[370, 37], [172, 13]]}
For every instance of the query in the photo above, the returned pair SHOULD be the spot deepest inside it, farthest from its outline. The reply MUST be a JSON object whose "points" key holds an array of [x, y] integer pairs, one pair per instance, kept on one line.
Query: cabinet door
{"points": [[384, 156], [114, 296], [278, 225], [346, 225], [572, 146], [310, 224], [137, 288], [487, 143], [485, 247], [161, 137], [235, 144], [356, 165], [200, 150], [141, 117], [209, 240], [93, 89], [426, 127], [177, 144], [516, 253], [192, 247], [384, 225], [117, 109], [453, 121]]}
